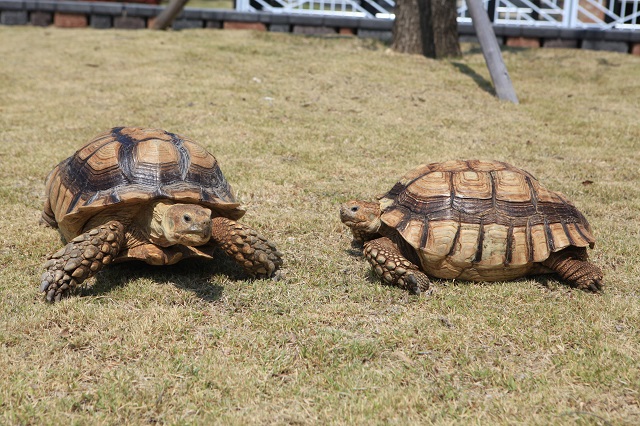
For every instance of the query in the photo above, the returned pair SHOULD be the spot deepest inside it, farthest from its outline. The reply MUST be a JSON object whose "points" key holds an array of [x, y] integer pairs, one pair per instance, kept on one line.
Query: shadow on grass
{"points": [[191, 274], [552, 283], [475, 49], [479, 80]]}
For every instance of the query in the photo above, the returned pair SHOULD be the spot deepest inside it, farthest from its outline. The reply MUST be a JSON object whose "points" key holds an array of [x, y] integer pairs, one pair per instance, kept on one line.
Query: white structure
{"points": [[572, 14]]}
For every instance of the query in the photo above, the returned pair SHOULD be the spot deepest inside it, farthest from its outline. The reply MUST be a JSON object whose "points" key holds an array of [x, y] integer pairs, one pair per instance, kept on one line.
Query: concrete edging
{"points": [[104, 15]]}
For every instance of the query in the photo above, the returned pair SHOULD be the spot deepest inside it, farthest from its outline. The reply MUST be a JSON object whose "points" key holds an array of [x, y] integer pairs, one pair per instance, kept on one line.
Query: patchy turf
{"points": [[301, 124]]}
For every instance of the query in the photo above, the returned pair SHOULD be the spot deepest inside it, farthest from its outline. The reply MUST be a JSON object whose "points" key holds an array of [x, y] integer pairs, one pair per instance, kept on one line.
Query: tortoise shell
{"points": [[129, 165], [481, 220]]}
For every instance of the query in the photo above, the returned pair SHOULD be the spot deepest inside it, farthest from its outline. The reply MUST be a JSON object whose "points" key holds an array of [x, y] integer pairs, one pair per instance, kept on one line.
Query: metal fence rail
{"points": [[352, 8], [570, 14]]}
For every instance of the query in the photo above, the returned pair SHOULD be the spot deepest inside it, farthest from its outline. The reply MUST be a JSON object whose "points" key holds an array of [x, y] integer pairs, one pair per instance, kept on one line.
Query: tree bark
{"points": [[407, 33], [426, 27]]}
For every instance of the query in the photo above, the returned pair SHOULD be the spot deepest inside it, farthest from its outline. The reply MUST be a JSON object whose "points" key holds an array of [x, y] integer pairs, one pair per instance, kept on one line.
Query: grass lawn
{"points": [[299, 125]]}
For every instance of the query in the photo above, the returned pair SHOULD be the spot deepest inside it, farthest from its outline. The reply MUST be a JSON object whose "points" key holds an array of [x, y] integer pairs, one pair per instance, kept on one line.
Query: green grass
{"points": [[301, 124]]}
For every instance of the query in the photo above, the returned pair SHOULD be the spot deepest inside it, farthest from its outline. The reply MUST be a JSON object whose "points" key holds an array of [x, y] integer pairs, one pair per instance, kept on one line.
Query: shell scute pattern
{"points": [[481, 220], [471, 184], [134, 165], [148, 195]]}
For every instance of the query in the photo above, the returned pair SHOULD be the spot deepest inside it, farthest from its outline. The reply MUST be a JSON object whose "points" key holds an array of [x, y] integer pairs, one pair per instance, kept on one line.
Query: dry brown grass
{"points": [[299, 125]]}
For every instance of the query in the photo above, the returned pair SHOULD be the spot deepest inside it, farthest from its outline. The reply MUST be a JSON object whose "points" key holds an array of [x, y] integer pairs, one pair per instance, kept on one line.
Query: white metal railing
{"points": [[525, 12], [604, 14], [352, 8]]}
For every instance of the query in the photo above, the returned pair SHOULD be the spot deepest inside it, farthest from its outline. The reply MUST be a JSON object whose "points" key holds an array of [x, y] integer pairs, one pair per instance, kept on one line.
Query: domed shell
{"points": [[481, 220], [129, 165]]}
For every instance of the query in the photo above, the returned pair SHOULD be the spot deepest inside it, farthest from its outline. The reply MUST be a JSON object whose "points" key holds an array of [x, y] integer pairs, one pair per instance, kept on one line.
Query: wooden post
{"points": [[491, 51], [166, 17]]}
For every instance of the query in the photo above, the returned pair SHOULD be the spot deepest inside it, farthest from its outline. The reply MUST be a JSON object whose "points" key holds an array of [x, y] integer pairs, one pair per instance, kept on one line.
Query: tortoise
{"points": [[472, 221], [144, 194]]}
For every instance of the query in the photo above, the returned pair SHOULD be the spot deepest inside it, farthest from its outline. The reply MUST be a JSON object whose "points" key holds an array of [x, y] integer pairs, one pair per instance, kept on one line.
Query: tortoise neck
{"points": [[153, 217], [370, 232]]}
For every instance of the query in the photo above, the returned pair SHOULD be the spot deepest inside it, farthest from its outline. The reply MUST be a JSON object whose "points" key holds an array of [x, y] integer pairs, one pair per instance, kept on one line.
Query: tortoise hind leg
{"points": [[572, 266], [393, 268], [253, 252], [82, 258]]}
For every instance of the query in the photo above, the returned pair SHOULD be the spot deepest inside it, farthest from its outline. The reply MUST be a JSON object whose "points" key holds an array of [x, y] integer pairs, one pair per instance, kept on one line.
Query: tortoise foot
{"points": [[574, 268], [393, 268], [82, 258], [259, 257]]}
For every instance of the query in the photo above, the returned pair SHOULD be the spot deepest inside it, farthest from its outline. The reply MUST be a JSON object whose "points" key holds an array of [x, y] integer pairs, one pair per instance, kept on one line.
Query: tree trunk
{"points": [[407, 35], [426, 27]]}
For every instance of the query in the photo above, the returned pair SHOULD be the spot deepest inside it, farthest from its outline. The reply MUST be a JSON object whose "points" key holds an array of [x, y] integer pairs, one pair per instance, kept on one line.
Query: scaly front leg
{"points": [[393, 268], [82, 258], [252, 251]]}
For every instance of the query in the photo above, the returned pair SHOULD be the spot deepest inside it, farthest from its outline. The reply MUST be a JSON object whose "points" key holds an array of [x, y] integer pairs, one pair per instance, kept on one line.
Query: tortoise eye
{"points": [[186, 218]]}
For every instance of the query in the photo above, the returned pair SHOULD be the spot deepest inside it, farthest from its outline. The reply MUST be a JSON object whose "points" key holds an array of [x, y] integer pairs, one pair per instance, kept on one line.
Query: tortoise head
{"points": [[186, 224], [363, 218]]}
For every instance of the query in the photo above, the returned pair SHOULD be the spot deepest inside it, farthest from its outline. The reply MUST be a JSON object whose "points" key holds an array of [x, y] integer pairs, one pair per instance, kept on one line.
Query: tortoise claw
{"points": [[595, 286], [417, 282], [51, 294], [412, 284]]}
